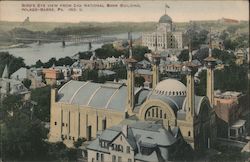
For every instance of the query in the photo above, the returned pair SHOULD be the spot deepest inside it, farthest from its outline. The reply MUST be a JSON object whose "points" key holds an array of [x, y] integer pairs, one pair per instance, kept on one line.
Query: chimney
{"points": [[125, 130]]}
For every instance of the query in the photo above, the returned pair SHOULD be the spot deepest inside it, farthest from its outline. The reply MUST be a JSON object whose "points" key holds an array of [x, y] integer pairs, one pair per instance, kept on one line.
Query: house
{"points": [[77, 70], [137, 142], [145, 73], [144, 64], [241, 56], [229, 106], [32, 74], [12, 86]]}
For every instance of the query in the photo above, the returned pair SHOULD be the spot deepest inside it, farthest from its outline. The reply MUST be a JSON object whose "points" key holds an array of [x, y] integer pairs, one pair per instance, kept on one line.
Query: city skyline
{"points": [[142, 11]]}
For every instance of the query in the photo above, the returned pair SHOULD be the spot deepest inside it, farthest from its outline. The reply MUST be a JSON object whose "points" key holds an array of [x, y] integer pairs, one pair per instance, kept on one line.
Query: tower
{"points": [[155, 64], [210, 62], [190, 69], [130, 78]]}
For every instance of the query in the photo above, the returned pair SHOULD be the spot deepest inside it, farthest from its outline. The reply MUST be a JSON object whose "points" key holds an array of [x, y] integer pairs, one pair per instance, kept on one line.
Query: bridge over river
{"points": [[64, 39]]}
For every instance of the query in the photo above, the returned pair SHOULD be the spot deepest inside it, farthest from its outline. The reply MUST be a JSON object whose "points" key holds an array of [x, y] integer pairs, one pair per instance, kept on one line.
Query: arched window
{"points": [[189, 133], [153, 112], [148, 113]]}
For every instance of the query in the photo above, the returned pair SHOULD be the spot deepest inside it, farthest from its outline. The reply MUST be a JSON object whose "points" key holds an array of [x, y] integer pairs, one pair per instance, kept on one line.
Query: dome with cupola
{"points": [[165, 19]]}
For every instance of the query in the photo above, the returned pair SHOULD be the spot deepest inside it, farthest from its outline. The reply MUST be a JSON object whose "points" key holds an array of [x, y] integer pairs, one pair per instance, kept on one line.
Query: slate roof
{"points": [[141, 133]]}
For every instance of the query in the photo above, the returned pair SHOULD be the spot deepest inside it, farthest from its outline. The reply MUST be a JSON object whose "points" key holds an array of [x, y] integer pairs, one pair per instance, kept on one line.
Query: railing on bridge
{"points": [[70, 38]]}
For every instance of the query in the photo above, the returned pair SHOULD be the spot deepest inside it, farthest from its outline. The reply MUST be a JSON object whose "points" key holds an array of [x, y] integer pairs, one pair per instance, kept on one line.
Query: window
{"points": [[55, 123], [102, 158], [121, 138], [148, 113], [189, 133], [97, 156], [128, 150], [153, 112], [119, 159], [63, 124], [120, 148], [165, 116], [113, 158], [160, 113]]}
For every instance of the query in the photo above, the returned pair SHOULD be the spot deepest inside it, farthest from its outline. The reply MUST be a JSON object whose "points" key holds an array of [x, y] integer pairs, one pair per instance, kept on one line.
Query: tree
{"points": [[85, 55], [139, 81], [39, 64], [65, 61], [184, 56], [139, 52], [21, 137], [26, 83], [224, 56], [90, 75], [121, 71], [79, 142], [14, 63], [200, 87], [233, 78], [42, 97]]}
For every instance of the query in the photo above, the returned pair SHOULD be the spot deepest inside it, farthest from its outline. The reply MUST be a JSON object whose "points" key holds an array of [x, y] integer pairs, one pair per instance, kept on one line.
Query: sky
{"points": [[135, 11]]}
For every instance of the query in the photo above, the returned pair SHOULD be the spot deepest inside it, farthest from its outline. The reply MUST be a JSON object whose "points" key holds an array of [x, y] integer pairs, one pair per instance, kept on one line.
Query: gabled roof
{"points": [[21, 73]]}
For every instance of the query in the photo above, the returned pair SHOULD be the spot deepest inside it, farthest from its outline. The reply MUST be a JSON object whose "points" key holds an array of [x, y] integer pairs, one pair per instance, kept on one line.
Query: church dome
{"points": [[165, 19], [170, 87]]}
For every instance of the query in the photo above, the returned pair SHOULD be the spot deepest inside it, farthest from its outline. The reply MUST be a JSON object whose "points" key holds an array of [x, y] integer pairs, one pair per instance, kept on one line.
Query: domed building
{"points": [[167, 37], [82, 109]]}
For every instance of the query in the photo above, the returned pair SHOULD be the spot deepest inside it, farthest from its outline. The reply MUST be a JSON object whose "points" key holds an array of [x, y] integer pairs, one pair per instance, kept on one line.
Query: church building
{"points": [[81, 109]]}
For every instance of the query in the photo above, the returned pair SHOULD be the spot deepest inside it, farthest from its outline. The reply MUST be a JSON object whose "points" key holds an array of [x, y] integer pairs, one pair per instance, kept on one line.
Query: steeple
{"points": [[190, 52], [130, 45], [5, 72], [210, 45], [155, 64], [130, 62]]}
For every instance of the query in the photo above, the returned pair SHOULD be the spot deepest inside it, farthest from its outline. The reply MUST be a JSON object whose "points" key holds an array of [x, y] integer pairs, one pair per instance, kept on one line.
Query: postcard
{"points": [[124, 81]]}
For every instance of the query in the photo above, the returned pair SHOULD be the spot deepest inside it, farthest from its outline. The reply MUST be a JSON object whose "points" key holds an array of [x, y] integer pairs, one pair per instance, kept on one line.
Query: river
{"points": [[34, 52]]}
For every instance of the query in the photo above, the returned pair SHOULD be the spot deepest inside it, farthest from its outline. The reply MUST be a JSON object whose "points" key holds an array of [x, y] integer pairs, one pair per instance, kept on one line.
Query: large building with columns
{"points": [[81, 109], [167, 37]]}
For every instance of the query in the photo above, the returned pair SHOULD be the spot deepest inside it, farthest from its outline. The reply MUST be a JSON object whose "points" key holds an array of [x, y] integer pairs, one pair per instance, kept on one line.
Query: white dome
{"points": [[170, 87]]}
